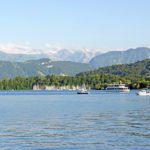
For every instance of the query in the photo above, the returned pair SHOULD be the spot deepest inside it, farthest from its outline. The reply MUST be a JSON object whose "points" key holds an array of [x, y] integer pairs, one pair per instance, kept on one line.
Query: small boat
{"points": [[117, 88], [144, 93], [83, 91]]}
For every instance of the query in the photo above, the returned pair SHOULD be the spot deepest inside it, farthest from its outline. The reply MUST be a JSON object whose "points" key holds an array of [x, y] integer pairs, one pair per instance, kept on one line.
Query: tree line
{"points": [[94, 81]]}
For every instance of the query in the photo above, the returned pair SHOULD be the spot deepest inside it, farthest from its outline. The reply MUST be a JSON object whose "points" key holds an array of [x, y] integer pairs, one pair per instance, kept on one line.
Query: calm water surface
{"points": [[67, 121]]}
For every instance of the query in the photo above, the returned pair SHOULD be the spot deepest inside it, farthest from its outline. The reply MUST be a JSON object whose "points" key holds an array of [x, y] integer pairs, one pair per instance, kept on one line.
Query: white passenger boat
{"points": [[117, 88], [144, 93]]}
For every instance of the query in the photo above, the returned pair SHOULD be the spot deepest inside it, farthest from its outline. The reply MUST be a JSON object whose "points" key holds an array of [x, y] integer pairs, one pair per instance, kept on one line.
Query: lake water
{"points": [[67, 121]]}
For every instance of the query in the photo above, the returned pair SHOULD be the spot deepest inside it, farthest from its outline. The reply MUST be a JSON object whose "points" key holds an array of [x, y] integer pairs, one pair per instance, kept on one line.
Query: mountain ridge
{"points": [[94, 58], [45, 66], [120, 57], [21, 53], [41, 67]]}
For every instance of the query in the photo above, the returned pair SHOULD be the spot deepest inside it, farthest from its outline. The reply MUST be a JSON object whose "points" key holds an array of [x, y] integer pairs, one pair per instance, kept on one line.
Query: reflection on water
{"points": [[90, 122]]}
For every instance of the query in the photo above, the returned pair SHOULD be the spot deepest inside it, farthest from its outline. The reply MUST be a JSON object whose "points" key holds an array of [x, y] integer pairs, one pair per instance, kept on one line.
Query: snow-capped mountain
{"points": [[82, 55], [13, 52]]}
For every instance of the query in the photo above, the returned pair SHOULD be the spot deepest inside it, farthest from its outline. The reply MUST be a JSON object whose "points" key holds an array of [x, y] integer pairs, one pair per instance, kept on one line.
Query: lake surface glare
{"points": [[67, 121]]}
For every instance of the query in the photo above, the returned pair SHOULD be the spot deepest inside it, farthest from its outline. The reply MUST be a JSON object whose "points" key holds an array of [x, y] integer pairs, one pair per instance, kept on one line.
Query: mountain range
{"points": [[93, 58], [19, 53], [82, 55], [41, 67], [120, 57], [33, 64]]}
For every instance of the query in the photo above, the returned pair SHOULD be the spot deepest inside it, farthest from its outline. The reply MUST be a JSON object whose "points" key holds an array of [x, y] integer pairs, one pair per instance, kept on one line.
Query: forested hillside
{"points": [[140, 68]]}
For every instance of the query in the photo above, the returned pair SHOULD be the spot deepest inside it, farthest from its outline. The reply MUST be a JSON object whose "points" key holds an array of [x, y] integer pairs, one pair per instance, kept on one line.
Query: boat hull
{"points": [[143, 93], [124, 91], [82, 93]]}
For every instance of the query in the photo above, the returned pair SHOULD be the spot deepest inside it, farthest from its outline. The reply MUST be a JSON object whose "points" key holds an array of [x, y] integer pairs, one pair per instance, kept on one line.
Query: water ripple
{"points": [[88, 130]]}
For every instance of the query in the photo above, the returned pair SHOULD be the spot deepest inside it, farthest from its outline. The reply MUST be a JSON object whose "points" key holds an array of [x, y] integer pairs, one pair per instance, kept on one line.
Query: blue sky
{"points": [[95, 24]]}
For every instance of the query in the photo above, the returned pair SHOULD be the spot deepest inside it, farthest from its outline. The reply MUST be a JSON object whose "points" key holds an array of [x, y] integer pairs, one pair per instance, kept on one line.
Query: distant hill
{"points": [[140, 68], [45, 66], [120, 57], [41, 67]]}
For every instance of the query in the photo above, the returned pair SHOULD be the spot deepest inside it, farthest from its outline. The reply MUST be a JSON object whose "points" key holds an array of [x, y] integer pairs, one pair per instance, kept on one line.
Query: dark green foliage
{"points": [[95, 81], [138, 69], [136, 75]]}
